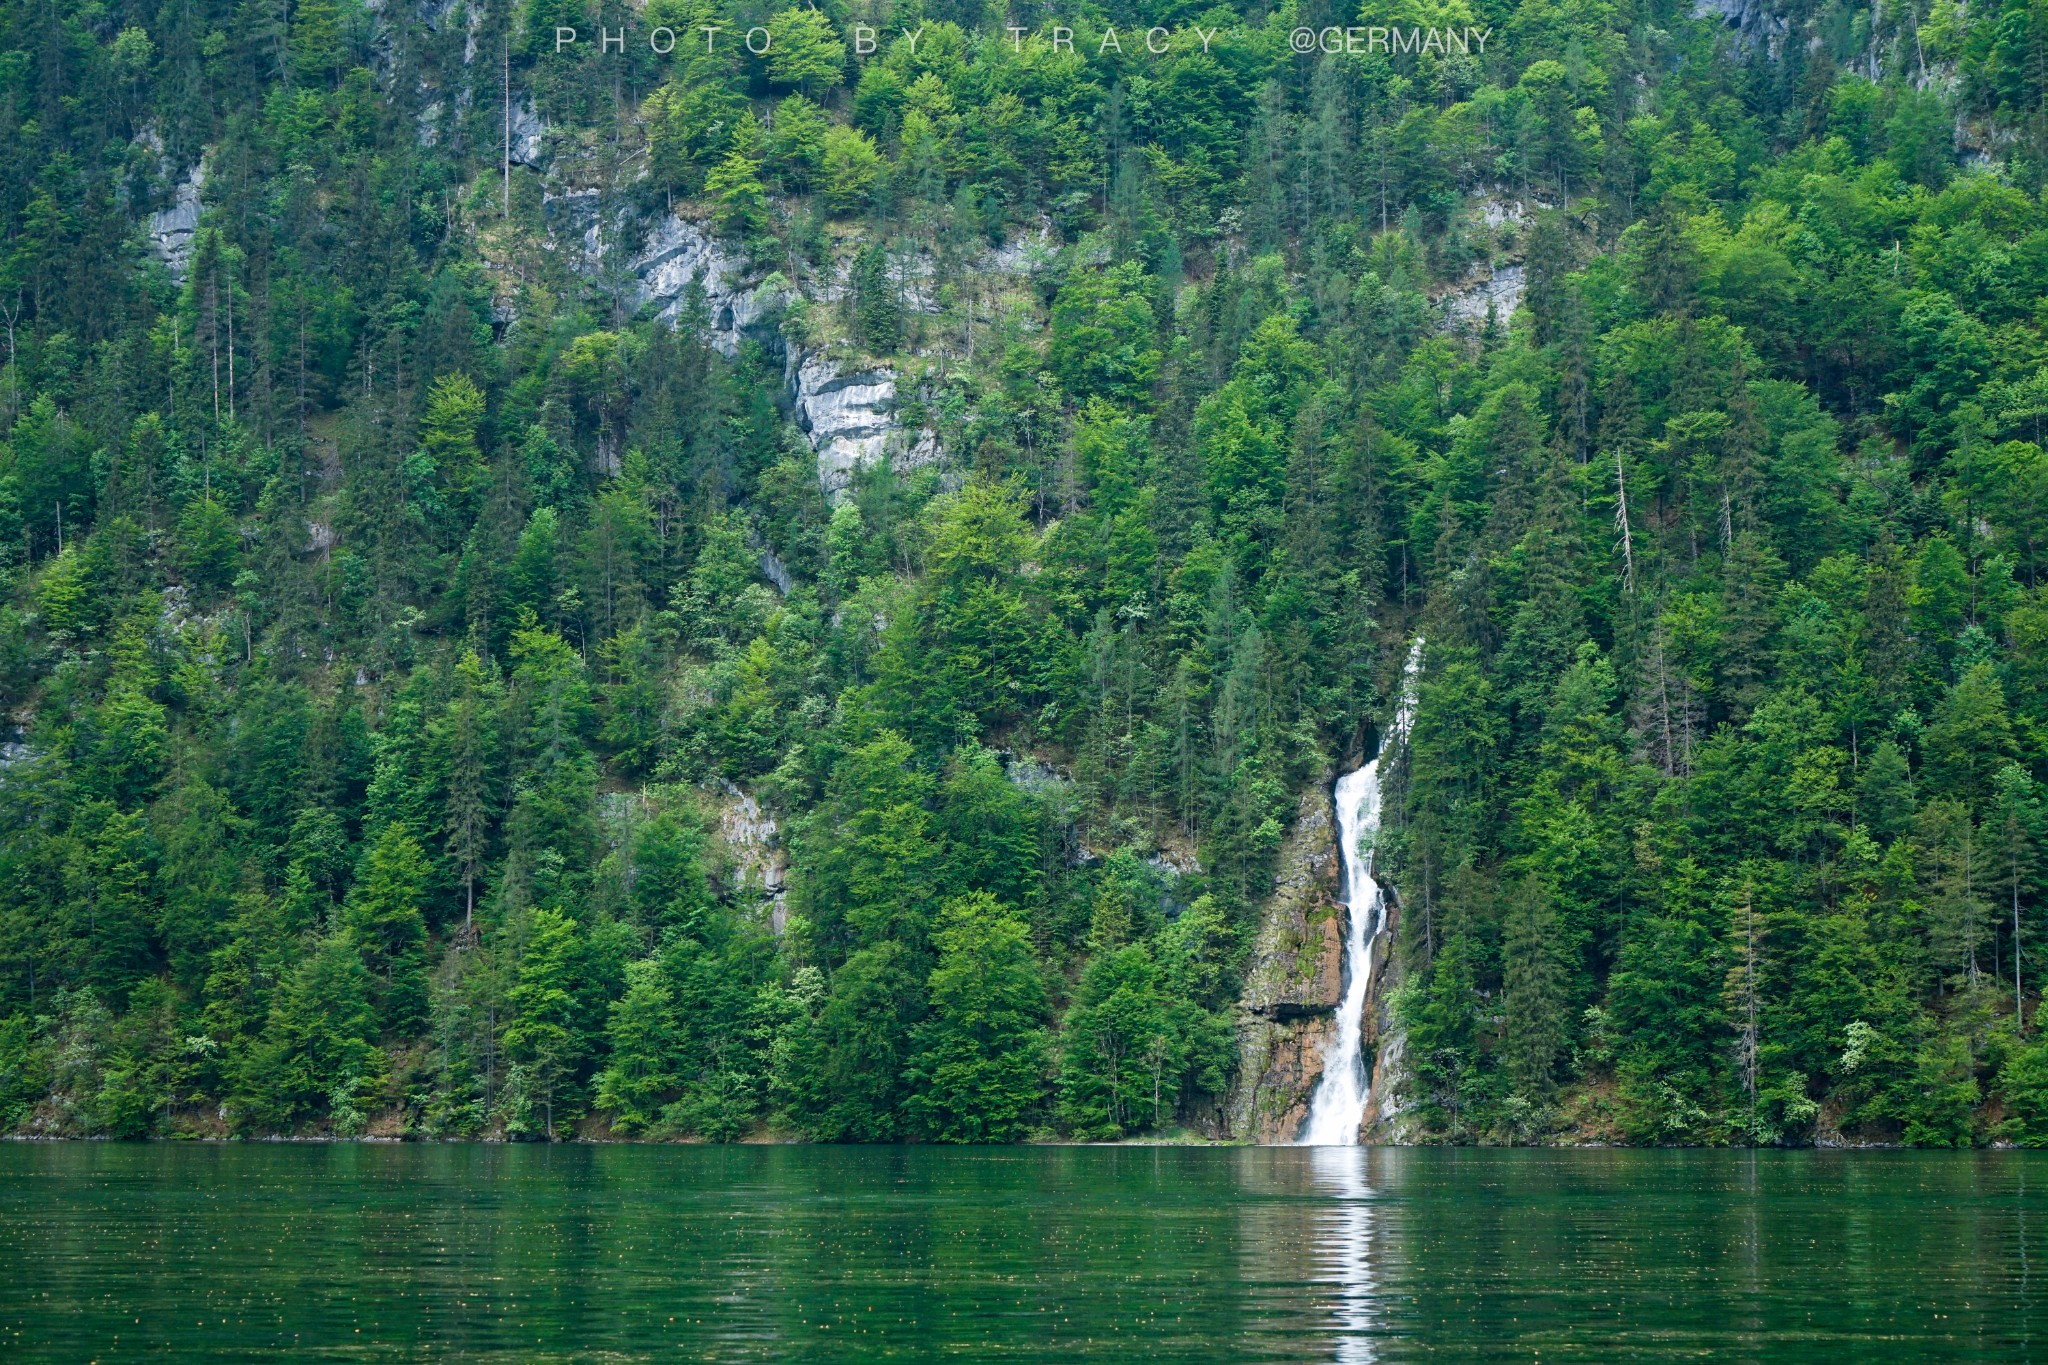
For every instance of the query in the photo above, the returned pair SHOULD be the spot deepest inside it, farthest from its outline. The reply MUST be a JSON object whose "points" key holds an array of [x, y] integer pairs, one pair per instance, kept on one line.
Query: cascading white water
{"points": [[1338, 1106]]}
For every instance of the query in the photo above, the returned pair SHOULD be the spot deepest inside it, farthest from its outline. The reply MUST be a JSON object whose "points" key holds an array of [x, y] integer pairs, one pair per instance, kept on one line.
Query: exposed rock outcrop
{"points": [[759, 867], [678, 253], [1387, 1110], [1501, 292], [1293, 984], [171, 231], [848, 412], [1751, 21], [850, 416], [849, 408], [526, 138]]}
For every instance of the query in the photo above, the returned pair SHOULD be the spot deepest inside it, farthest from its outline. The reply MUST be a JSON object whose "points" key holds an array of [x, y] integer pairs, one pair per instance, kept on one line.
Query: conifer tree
{"points": [[386, 917], [642, 1040], [1534, 981], [467, 738], [545, 1038]]}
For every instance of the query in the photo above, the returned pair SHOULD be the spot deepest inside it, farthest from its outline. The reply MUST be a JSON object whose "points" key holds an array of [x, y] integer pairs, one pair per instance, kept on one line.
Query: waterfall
{"points": [[1338, 1107]]}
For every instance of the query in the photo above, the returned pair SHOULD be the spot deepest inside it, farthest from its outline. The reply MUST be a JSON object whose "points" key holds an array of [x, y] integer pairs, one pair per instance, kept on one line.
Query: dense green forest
{"points": [[396, 610]]}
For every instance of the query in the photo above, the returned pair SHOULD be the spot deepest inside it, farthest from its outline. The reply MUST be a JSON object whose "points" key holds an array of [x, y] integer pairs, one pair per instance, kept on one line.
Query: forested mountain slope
{"points": [[421, 595]]}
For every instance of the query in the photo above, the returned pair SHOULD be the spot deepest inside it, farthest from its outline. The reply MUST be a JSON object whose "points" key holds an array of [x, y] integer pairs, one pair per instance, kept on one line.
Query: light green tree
{"points": [[739, 203], [804, 51], [639, 1076], [1113, 1048], [545, 1037], [981, 1057], [385, 913], [852, 165]]}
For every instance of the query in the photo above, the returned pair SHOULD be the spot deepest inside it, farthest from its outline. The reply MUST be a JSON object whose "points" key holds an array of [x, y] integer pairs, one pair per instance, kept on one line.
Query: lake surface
{"points": [[304, 1252]]}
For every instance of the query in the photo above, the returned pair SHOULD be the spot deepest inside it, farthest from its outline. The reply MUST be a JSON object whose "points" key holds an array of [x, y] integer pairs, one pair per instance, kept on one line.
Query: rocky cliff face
{"points": [[1293, 984], [755, 868], [849, 412], [171, 230], [677, 253], [1387, 1103], [848, 407], [850, 417], [1751, 21]]}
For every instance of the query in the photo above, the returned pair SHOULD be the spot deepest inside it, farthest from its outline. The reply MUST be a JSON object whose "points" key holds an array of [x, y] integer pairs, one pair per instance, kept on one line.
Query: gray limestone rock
{"points": [[760, 867], [1751, 21], [171, 230], [847, 412], [528, 136], [678, 252], [1501, 291]]}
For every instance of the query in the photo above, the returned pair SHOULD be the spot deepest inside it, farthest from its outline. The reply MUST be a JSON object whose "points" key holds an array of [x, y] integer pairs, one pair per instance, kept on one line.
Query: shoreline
{"points": [[374, 1140]]}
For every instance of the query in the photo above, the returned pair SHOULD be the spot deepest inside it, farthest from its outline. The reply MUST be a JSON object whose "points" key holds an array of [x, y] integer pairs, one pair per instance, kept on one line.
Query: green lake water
{"points": [[314, 1252]]}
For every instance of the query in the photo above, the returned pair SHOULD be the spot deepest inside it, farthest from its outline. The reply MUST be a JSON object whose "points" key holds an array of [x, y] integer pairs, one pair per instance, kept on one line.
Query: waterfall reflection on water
{"points": [[1345, 1252]]}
